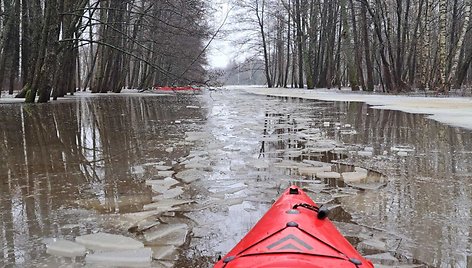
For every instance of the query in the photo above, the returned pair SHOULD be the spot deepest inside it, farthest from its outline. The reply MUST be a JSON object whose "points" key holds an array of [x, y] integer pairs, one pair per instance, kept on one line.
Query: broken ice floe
{"points": [[105, 241], [355, 176], [144, 225], [161, 186], [290, 164], [310, 171], [328, 175], [164, 205], [316, 163], [65, 248], [132, 219], [122, 258], [220, 203], [373, 245], [191, 175], [167, 252], [320, 146], [198, 162], [229, 191], [167, 234], [165, 173], [162, 168], [172, 193], [383, 258]]}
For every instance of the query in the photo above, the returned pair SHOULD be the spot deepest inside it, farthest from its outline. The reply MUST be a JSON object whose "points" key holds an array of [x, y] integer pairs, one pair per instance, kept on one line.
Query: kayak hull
{"points": [[293, 233]]}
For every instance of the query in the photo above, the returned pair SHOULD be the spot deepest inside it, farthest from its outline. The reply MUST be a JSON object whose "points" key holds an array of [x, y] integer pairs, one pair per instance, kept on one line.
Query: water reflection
{"points": [[67, 165], [427, 201], [63, 162], [422, 211]]}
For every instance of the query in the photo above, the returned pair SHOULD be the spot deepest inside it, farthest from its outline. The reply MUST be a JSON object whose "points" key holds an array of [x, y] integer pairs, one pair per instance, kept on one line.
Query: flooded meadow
{"points": [[181, 178]]}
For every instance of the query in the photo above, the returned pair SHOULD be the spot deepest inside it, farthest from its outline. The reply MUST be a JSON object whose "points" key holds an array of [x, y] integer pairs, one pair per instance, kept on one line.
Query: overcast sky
{"points": [[220, 50]]}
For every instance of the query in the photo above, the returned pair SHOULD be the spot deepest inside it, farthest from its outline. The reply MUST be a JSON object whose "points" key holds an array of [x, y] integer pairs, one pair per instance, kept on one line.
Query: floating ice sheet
{"points": [[122, 258], [383, 258], [105, 241], [167, 234], [131, 219], [191, 175], [160, 186], [65, 248], [223, 193], [172, 193], [316, 163], [165, 204], [162, 168], [328, 175], [165, 252], [165, 173], [355, 176], [310, 171]]}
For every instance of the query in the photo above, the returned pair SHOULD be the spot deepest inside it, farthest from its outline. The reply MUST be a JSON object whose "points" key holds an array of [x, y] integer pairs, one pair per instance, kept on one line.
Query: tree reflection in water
{"points": [[62, 157]]}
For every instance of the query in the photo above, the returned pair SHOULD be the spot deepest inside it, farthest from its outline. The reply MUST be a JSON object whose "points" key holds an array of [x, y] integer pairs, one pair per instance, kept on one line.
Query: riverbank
{"points": [[453, 111]]}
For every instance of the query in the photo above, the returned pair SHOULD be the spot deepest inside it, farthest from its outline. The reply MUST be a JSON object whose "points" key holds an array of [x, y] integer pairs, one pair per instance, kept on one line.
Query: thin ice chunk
{"points": [[328, 175], [191, 175], [165, 204], [354, 176], [165, 173], [123, 258], [164, 252], [167, 234], [65, 248], [172, 193], [316, 163], [104, 241], [161, 186], [310, 171]]}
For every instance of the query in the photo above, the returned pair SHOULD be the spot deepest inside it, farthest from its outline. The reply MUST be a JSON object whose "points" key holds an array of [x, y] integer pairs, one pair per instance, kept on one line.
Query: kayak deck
{"points": [[294, 233]]}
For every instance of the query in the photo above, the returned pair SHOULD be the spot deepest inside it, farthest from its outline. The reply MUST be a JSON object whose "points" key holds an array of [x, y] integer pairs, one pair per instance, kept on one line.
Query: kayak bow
{"points": [[295, 232]]}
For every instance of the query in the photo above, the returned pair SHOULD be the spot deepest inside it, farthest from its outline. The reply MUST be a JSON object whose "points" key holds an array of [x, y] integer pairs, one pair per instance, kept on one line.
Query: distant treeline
{"points": [[53, 47], [399, 45]]}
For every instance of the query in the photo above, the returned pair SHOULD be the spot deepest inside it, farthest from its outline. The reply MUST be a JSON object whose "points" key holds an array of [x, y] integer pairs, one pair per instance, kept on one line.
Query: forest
{"points": [[391, 46], [50, 48], [53, 47]]}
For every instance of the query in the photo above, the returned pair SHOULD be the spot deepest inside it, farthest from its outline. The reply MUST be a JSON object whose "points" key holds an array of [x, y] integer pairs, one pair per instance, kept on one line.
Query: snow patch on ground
{"points": [[454, 111]]}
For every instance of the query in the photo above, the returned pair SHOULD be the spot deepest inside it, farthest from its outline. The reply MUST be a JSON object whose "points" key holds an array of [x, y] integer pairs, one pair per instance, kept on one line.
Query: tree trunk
{"points": [[443, 87], [260, 19], [460, 41], [367, 52], [299, 43], [348, 50]]}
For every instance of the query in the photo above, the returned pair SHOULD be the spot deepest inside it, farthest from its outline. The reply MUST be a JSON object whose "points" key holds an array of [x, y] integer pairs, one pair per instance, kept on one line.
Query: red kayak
{"points": [[295, 232]]}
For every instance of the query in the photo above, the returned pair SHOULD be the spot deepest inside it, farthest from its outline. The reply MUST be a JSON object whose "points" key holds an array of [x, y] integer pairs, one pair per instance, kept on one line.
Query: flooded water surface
{"points": [[188, 175]]}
